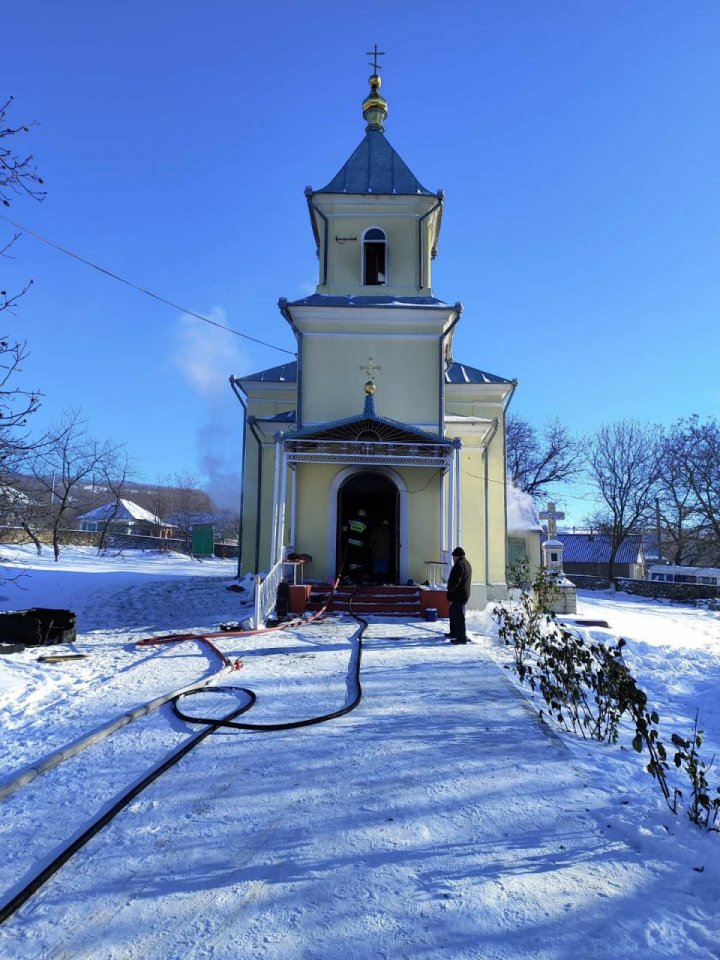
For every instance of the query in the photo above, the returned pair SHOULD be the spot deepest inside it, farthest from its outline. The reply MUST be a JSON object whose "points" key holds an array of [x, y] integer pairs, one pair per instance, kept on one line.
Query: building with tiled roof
{"points": [[375, 415], [588, 554]]}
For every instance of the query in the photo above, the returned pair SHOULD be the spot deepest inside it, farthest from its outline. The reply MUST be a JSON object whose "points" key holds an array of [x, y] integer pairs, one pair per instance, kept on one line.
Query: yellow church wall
{"points": [[345, 265], [496, 498], [250, 503], [313, 487], [423, 520], [406, 225], [407, 385]]}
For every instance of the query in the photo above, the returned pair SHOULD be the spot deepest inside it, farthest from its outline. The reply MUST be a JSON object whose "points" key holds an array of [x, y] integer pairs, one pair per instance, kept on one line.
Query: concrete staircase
{"points": [[386, 601]]}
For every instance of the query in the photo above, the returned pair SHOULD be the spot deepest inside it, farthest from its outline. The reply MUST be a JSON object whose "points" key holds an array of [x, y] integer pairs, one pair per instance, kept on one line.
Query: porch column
{"points": [[293, 507], [276, 500], [281, 509], [451, 503], [442, 522], [458, 493]]}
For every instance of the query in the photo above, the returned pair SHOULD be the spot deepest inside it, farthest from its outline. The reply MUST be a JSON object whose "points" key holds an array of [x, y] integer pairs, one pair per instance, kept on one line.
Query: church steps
{"points": [[380, 600]]}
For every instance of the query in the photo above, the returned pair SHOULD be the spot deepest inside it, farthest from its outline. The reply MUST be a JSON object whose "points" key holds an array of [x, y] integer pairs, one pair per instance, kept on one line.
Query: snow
{"points": [[121, 510], [439, 819]]}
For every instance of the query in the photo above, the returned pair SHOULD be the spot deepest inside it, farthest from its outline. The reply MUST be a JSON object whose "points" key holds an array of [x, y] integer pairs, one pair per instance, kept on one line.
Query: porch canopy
{"points": [[367, 440]]}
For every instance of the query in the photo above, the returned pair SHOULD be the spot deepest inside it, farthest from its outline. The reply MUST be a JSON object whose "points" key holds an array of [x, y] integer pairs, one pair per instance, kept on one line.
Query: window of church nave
{"points": [[374, 255]]}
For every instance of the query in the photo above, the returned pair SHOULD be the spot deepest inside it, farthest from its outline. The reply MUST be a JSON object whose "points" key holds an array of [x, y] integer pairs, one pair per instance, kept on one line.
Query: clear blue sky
{"points": [[577, 143]]}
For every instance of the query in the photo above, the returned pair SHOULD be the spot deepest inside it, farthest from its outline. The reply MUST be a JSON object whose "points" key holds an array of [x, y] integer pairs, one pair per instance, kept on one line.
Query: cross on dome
{"points": [[375, 53]]}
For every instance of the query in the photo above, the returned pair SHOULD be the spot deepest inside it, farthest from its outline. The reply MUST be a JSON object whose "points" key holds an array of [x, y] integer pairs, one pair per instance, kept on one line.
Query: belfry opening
{"points": [[367, 529]]}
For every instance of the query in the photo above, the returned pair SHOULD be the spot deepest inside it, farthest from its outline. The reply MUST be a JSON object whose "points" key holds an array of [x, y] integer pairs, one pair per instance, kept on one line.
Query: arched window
{"points": [[374, 258]]}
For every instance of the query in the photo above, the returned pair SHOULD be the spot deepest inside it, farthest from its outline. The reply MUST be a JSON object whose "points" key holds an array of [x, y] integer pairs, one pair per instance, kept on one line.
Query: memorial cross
{"points": [[551, 515]]}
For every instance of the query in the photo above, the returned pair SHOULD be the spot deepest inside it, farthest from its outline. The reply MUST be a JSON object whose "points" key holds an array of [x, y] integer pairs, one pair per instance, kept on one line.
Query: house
{"points": [[588, 554], [125, 517], [376, 424]]}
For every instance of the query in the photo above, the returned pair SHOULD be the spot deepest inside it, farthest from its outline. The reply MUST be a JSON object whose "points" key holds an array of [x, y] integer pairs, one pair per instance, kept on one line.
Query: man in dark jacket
{"points": [[458, 593]]}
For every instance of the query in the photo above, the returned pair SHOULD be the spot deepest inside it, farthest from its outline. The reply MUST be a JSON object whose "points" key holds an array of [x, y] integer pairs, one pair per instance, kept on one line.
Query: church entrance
{"points": [[368, 525]]}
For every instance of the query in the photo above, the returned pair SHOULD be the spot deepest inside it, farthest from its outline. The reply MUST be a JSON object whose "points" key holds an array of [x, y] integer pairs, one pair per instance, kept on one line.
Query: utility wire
{"points": [[134, 286]]}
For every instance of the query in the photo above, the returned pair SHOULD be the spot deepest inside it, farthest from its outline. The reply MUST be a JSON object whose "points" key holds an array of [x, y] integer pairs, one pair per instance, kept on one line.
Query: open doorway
{"points": [[367, 530]]}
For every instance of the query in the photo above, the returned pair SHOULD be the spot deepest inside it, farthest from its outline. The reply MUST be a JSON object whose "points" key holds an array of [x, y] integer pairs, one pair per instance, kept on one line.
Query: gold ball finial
{"points": [[375, 108], [369, 388]]}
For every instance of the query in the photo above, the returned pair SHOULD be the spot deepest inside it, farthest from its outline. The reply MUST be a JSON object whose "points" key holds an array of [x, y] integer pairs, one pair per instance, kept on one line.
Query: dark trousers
{"points": [[457, 620]]}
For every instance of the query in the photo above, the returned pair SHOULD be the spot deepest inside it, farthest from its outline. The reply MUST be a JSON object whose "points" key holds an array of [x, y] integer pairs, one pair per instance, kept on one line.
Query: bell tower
{"points": [[376, 227]]}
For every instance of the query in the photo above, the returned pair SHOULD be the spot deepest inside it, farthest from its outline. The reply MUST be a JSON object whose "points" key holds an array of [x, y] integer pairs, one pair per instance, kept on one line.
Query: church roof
{"points": [[375, 167], [455, 373], [321, 299], [349, 428], [462, 373], [286, 372]]}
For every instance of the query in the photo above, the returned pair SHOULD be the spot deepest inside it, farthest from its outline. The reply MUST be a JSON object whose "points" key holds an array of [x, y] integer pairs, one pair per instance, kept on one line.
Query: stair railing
{"points": [[266, 594]]}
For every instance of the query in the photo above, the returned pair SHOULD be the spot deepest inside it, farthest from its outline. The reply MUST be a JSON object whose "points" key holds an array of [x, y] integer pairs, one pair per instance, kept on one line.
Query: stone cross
{"points": [[551, 515], [370, 368], [375, 54]]}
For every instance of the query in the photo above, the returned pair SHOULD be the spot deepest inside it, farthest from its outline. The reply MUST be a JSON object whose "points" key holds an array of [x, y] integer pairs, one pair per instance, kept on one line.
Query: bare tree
{"points": [[70, 459], [624, 463], [702, 443], [18, 176], [115, 480], [537, 461], [680, 516], [189, 505]]}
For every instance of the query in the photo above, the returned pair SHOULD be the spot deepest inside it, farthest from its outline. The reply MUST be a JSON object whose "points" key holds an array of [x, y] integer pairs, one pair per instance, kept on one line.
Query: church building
{"points": [[376, 434]]}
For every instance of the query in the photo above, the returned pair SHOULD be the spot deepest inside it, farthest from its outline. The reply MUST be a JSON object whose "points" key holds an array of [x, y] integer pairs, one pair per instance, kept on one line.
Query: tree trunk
{"points": [[29, 532]]}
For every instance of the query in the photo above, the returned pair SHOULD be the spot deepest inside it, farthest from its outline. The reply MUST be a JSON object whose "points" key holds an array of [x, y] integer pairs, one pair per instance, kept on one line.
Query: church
{"points": [[376, 432]]}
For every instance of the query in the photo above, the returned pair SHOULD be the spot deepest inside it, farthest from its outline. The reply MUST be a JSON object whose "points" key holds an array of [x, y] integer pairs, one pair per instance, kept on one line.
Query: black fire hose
{"points": [[213, 724]]}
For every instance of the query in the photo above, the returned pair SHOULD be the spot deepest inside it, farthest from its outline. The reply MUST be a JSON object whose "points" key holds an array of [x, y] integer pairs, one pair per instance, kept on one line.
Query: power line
{"points": [[134, 286]]}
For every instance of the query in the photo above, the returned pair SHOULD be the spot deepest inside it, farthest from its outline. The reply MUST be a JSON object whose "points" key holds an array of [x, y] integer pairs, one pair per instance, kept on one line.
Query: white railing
{"points": [[266, 594], [365, 451]]}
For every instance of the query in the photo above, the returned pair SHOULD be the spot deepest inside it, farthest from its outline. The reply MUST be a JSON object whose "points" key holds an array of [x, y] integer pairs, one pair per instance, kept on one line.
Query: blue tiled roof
{"points": [[456, 373], [285, 372], [375, 167], [322, 300], [595, 548], [289, 416], [462, 373]]}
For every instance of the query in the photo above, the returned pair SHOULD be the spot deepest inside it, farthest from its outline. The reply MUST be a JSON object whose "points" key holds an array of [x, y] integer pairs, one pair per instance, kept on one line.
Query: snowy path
{"points": [[440, 819]]}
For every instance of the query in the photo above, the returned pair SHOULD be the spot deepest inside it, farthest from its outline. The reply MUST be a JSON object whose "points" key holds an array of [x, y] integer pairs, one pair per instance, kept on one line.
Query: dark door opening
{"points": [[368, 528]]}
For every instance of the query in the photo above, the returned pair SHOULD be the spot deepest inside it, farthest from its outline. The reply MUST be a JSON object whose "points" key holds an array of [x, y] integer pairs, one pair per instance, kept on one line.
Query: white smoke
{"points": [[522, 517], [207, 356]]}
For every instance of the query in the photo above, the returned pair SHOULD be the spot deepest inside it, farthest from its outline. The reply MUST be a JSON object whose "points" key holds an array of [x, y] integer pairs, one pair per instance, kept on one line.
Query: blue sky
{"points": [[577, 143]]}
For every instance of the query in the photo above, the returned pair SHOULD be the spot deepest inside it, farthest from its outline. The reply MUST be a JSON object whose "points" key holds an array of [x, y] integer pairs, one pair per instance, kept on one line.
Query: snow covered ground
{"points": [[440, 819]]}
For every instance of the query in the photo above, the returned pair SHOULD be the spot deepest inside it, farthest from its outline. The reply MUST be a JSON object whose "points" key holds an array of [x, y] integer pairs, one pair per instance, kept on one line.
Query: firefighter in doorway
{"points": [[355, 553]]}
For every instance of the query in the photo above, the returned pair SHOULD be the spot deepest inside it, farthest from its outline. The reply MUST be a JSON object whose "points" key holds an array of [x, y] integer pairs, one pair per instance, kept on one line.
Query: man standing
{"points": [[458, 593]]}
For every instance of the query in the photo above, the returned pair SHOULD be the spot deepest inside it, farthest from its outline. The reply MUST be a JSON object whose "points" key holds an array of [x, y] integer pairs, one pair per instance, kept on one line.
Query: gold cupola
{"points": [[375, 108]]}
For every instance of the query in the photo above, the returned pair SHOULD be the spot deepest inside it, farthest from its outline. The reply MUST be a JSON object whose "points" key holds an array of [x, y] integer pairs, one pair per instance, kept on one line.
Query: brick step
{"points": [[380, 600], [373, 611]]}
